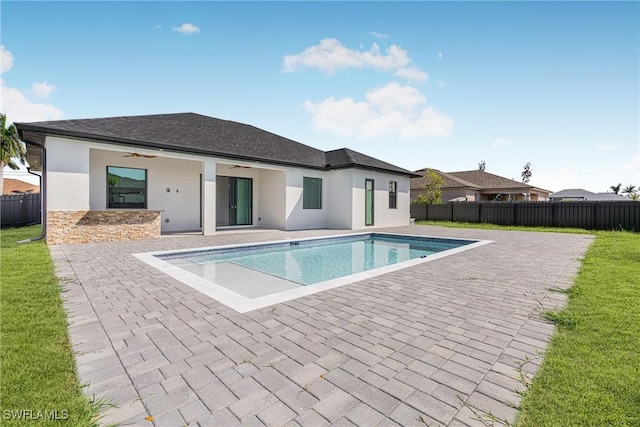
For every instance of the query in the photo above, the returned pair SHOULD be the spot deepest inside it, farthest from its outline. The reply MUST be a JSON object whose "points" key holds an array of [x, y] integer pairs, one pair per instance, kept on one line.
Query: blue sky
{"points": [[418, 84]]}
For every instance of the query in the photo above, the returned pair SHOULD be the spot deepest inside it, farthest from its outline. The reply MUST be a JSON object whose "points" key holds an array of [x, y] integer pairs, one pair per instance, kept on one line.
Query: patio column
{"points": [[208, 197]]}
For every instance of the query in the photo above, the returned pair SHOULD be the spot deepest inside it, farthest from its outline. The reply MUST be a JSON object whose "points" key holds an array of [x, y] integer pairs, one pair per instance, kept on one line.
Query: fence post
{"points": [[451, 212], [23, 211]]}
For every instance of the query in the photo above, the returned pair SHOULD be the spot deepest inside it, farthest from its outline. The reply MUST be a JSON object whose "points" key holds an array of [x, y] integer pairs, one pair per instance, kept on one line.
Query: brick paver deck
{"points": [[438, 344]]}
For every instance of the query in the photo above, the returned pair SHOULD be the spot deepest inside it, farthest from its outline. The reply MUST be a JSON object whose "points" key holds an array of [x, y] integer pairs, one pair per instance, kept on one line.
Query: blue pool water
{"points": [[307, 262]]}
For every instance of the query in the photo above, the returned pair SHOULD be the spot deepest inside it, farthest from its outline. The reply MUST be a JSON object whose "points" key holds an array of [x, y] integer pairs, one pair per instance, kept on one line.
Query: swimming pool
{"points": [[246, 277]]}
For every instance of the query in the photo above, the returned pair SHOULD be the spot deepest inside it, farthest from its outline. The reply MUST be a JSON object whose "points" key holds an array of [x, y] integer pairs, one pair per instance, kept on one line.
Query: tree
{"points": [[527, 172], [616, 188], [629, 190], [10, 149], [431, 193], [482, 165]]}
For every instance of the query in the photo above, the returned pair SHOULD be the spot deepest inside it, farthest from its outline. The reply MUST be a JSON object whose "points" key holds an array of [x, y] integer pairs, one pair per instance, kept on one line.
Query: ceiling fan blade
{"points": [[140, 155]]}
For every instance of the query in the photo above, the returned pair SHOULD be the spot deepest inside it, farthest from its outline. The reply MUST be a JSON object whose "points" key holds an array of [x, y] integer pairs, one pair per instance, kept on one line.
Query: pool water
{"points": [[251, 276], [311, 262]]}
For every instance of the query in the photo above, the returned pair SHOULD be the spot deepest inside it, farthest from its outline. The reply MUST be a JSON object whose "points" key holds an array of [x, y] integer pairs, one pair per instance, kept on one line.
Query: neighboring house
{"points": [[477, 185], [132, 177], [578, 194], [15, 186]]}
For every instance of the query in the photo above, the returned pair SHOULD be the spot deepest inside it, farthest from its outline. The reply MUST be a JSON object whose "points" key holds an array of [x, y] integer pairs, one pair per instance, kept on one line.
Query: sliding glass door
{"points": [[234, 201]]}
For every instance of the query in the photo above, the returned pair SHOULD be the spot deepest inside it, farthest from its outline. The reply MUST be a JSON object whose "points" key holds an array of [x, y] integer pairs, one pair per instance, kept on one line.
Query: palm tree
{"points": [[10, 149], [629, 190], [616, 188]]}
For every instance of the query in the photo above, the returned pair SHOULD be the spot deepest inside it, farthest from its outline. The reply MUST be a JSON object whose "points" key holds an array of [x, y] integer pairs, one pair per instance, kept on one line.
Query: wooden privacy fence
{"points": [[590, 215], [19, 210]]}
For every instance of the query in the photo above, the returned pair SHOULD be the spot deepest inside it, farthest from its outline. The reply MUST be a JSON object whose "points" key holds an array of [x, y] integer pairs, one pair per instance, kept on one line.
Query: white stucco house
{"points": [[133, 177]]}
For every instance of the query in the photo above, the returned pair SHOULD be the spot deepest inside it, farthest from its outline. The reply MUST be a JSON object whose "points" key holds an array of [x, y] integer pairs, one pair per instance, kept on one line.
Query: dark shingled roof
{"points": [[346, 158], [198, 134]]}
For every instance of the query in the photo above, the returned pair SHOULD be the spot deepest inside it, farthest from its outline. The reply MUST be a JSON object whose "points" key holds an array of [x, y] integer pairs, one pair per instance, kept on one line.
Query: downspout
{"points": [[43, 195]]}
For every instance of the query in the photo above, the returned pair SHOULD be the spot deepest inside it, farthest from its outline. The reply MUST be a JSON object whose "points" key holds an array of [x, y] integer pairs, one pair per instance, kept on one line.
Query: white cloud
{"points": [[187, 28], [331, 55], [16, 105], [6, 59], [412, 73], [499, 142], [632, 165], [439, 55], [391, 110], [19, 108], [379, 35], [392, 96], [606, 147], [42, 90]]}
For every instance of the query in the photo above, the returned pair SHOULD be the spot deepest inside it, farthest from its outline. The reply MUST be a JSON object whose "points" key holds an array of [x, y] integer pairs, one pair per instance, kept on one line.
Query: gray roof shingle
{"points": [[345, 157], [488, 180], [448, 180], [475, 179], [576, 193], [199, 134]]}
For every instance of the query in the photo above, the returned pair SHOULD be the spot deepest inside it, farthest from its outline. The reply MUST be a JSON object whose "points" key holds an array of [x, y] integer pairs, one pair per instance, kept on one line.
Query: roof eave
{"points": [[371, 168]]}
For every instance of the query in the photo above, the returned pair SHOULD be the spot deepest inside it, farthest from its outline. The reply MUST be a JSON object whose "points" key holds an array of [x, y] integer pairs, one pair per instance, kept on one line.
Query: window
{"points": [[311, 193], [393, 195], [126, 188]]}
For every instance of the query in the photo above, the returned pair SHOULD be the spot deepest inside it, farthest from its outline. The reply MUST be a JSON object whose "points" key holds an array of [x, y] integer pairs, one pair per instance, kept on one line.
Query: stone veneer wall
{"points": [[101, 226]]}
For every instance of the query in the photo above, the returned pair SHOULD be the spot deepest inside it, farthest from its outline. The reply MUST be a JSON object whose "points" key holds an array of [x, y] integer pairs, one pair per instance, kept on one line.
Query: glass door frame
{"points": [[369, 199], [232, 201]]}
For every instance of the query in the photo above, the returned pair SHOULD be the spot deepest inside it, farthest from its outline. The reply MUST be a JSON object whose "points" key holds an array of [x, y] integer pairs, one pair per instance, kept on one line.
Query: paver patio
{"points": [[438, 343]]}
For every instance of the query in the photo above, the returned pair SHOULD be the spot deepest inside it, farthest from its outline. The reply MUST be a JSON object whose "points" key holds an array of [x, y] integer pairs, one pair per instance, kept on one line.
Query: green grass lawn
{"points": [[590, 375], [37, 370]]}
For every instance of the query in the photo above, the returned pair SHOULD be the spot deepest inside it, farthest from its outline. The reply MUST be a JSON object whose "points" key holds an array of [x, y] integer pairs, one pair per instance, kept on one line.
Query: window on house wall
{"points": [[311, 193], [126, 188], [393, 195]]}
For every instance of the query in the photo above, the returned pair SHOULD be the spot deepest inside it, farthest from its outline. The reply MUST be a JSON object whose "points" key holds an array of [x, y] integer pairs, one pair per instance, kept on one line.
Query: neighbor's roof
{"points": [[574, 193], [475, 179], [609, 197], [448, 180], [488, 180], [198, 134], [16, 186]]}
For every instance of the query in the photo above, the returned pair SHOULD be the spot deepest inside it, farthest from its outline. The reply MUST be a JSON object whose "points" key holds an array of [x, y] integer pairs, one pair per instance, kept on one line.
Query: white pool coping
{"points": [[243, 304]]}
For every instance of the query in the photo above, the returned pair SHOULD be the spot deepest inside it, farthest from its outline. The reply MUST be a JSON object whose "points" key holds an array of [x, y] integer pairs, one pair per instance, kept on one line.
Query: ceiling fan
{"points": [[140, 155], [240, 166]]}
